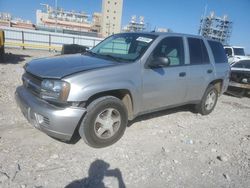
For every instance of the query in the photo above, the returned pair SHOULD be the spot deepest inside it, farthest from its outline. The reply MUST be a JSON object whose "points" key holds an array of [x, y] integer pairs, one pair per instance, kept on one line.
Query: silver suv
{"points": [[124, 76]]}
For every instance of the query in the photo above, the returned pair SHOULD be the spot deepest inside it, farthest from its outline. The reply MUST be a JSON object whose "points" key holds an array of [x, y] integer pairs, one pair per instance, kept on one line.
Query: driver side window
{"points": [[172, 48]]}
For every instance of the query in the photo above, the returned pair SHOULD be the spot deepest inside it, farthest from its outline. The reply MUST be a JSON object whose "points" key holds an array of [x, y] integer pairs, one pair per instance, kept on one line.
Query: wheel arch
{"points": [[218, 83], [123, 94]]}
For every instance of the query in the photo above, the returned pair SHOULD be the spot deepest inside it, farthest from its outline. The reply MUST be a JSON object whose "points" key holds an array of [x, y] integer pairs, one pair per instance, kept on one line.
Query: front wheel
{"points": [[104, 123], [208, 102]]}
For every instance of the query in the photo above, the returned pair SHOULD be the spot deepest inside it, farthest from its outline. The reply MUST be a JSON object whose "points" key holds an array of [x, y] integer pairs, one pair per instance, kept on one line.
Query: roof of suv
{"points": [[233, 47], [171, 34]]}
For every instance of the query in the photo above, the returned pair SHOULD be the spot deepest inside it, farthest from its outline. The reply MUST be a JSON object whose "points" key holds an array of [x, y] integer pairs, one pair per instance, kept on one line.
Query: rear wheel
{"points": [[208, 102], [104, 123]]}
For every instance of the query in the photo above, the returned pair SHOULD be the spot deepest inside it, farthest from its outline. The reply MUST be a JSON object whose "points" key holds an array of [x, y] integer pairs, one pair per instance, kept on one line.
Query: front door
{"points": [[165, 85]]}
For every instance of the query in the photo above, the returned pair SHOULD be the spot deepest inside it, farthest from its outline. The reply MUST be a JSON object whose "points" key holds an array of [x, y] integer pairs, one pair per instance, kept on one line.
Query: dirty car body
{"points": [[146, 72]]}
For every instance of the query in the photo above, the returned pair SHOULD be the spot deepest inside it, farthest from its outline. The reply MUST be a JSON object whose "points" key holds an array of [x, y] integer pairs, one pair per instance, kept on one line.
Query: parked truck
{"points": [[234, 53]]}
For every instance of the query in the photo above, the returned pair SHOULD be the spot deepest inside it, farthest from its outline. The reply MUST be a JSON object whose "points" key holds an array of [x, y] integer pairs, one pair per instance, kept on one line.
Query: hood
{"points": [[61, 66]]}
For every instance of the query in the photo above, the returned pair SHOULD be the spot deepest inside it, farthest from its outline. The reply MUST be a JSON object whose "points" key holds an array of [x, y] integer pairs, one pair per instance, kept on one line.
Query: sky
{"points": [[182, 16]]}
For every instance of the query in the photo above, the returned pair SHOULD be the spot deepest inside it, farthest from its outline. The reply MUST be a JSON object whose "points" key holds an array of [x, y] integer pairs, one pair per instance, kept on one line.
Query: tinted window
{"points": [[198, 51], [218, 52], [242, 64], [228, 51], [171, 47], [238, 65]]}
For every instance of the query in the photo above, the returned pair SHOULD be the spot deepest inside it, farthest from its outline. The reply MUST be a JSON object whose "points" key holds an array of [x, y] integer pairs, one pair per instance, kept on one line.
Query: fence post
{"points": [[73, 40], [49, 42], [23, 40], [93, 42]]}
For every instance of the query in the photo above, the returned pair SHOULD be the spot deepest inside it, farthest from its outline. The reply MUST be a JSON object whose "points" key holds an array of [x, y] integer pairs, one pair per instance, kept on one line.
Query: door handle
{"points": [[209, 71], [182, 74]]}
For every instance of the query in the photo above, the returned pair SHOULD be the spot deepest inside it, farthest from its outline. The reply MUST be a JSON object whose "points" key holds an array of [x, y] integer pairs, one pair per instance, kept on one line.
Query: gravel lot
{"points": [[172, 148]]}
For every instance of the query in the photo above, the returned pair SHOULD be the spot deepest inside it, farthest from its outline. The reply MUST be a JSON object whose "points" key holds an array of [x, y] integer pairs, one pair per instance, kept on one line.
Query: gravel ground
{"points": [[172, 148]]}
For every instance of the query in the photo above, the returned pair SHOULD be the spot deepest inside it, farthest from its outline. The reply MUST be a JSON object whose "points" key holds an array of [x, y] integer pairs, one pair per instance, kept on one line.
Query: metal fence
{"points": [[33, 39]]}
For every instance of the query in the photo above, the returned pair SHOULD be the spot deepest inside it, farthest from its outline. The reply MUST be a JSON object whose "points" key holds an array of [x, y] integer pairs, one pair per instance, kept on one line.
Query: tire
{"points": [[105, 116], [203, 107]]}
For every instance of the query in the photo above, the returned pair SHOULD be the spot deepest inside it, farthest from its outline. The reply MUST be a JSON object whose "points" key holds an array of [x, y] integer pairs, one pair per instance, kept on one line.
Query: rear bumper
{"points": [[54, 121]]}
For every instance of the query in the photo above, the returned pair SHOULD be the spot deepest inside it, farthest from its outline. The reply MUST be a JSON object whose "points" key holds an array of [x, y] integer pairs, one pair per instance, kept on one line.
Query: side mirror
{"points": [[159, 62]]}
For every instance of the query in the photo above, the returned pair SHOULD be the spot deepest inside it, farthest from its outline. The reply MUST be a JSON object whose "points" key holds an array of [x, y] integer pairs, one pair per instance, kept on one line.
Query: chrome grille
{"points": [[46, 120], [32, 83]]}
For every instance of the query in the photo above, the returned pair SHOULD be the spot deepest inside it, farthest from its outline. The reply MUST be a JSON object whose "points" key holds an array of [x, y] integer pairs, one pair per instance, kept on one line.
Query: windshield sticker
{"points": [[144, 39]]}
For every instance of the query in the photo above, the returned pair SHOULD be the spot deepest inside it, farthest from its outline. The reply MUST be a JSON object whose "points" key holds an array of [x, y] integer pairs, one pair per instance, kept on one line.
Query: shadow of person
{"points": [[97, 171]]}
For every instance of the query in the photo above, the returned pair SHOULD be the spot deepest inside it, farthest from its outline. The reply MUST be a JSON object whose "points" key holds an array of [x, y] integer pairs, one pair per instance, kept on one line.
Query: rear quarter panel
{"points": [[221, 70]]}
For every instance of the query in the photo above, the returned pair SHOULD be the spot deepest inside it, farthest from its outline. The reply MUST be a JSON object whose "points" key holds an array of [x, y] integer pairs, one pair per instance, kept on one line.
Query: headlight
{"points": [[55, 90]]}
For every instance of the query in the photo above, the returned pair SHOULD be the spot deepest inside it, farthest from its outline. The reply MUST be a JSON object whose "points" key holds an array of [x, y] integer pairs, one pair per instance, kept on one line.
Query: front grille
{"points": [[46, 120], [237, 76], [32, 83]]}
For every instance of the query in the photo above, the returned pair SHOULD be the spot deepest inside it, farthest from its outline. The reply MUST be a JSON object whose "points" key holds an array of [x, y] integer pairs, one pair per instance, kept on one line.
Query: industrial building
{"points": [[111, 17], [96, 22], [217, 28], [55, 19], [135, 25], [102, 24], [6, 20], [60, 20]]}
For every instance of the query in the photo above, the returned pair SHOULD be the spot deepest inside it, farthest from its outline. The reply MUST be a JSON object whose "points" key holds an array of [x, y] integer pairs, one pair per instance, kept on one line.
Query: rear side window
{"points": [[218, 52], [198, 51]]}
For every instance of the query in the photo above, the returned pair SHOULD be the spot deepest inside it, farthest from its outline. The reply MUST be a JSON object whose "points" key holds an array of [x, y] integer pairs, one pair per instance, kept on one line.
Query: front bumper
{"points": [[239, 85], [54, 121]]}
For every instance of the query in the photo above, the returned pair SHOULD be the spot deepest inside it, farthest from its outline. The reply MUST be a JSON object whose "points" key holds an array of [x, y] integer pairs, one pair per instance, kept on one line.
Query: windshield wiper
{"points": [[112, 57], [119, 59]]}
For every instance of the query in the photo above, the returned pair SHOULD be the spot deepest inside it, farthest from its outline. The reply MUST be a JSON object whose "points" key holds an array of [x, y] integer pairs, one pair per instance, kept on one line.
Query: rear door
{"points": [[200, 67], [165, 86], [221, 63]]}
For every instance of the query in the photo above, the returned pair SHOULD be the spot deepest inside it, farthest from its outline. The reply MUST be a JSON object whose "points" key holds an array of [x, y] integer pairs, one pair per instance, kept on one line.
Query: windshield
{"points": [[124, 47], [239, 51], [242, 64]]}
